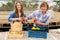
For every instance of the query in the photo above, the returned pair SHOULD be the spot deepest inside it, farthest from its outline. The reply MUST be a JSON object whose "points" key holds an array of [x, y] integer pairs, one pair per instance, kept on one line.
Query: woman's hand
{"points": [[26, 18]]}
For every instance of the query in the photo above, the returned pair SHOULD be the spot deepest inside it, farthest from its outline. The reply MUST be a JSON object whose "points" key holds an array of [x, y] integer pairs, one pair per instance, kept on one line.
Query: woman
{"points": [[42, 16], [18, 13]]}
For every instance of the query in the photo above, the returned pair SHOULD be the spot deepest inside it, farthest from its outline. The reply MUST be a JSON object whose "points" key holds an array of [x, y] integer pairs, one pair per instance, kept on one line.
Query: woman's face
{"points": [[18, 5], [44, 8]]}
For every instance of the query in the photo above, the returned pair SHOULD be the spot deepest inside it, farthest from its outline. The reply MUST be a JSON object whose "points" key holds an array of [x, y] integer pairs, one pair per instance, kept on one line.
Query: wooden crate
{"points": [[16, 30]]}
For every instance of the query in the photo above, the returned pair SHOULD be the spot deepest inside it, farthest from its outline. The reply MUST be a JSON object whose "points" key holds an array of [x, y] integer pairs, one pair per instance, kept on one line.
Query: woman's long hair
{"points": [[21, 11]]}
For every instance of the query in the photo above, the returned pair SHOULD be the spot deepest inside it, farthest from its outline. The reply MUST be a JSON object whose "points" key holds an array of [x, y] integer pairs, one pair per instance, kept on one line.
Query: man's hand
{"points": [[37, 22]]}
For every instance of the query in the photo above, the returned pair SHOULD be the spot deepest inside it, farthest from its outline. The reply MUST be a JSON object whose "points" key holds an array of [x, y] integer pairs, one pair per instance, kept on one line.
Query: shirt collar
{"points": [[40, 11]]}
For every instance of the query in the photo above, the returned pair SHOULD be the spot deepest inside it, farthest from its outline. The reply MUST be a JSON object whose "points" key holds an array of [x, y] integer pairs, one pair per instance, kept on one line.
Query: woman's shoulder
{"points": [[24, 14]]}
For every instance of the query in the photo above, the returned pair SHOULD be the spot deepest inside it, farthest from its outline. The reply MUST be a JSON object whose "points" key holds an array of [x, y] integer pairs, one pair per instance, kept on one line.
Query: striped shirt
{"points": [[40, 17]]}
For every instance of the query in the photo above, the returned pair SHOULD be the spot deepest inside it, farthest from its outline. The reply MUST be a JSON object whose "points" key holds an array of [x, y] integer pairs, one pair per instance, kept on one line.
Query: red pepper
{"points": [[23, 18], [35, 20]]}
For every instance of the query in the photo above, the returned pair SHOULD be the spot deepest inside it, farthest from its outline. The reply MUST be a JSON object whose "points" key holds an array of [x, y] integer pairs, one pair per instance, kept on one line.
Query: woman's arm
{"points": [[12, 17]]}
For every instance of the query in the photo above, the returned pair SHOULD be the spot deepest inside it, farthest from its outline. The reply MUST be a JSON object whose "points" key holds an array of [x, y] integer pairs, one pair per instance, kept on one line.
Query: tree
{"points": [[58, 3]]}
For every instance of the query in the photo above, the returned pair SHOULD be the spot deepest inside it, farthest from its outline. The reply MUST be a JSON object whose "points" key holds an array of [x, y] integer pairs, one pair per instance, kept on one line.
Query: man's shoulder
{"points": [[48, 14]]}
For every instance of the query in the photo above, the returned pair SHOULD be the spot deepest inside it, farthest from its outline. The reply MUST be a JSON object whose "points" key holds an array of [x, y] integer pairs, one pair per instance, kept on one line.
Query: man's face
{"points": [[44, 8]]}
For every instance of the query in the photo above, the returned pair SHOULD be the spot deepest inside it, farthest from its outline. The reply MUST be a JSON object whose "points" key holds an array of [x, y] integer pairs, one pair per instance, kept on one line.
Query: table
{"points": [[52, 35]]}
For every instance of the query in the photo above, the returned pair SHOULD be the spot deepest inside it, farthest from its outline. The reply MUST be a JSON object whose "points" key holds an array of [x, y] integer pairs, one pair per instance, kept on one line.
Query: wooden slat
{"points": [[4, 21], [4, 18], [5, 12]]}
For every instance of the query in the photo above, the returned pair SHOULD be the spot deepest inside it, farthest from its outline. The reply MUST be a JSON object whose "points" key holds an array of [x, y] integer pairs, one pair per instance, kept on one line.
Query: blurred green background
{"points": [[8, 5]]}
